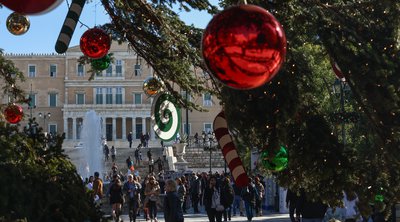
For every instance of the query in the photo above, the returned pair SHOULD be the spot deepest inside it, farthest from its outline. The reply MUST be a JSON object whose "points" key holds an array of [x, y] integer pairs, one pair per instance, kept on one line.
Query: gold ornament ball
{"points": [[152, 86], [18, 24]]}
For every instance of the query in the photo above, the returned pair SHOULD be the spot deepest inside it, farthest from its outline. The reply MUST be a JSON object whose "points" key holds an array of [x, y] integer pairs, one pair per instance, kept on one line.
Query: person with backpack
{"points": [[227, 198], [249, 198], [132, 189], [260, 191]]}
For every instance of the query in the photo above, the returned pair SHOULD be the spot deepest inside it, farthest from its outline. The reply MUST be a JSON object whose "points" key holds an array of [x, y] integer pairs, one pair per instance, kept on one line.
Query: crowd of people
{"points": [[178, 195]]}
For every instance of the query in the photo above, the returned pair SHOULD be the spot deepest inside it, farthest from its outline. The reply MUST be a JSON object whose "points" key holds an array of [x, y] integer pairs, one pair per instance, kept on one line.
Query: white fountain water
{"points": [[92, 152]]}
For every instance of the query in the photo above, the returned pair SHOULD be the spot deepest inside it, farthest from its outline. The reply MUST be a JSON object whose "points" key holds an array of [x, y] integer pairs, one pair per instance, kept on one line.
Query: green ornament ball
{"points": [[379, 198], [276, 162], [152, 86], [101, 64]]}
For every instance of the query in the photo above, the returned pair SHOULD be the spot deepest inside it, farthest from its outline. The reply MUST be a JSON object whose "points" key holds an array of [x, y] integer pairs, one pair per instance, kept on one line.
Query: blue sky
{"points": [[45, 28]]}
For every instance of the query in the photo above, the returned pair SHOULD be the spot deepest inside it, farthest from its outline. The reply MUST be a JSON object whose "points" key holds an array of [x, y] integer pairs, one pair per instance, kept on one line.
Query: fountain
{"points": [[91, 153]]}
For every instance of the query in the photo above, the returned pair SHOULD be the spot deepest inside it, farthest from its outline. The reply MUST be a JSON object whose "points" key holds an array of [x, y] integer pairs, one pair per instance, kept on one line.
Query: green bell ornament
{"points": [[101, 64], [278, 161]]}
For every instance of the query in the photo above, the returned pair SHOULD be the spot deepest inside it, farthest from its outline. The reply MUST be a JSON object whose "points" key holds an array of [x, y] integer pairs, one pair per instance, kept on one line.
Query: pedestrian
{"points": [[249, 198], [350, 201], [106, 152], [132, 189], [291, 203], [227, 198], [196, 138], [113, 153], [151, 165], [181, 190], [116, 197], [89, 184], [237, 202], [129, 137], [172, 210], [97, 187], [195, 193], [160, 164], [147, 138], [260, 195], [114, 169], [129, 162], [152, 192], [212, 202], [309, 210], [142, 140], [137, 159], [149, 154]]}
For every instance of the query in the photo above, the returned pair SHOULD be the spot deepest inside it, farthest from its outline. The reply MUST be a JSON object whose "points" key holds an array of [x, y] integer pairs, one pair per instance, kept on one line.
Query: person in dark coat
{"points": [[172, 210], [310, 211], [116, 197], [130, 139], [291, 203]]}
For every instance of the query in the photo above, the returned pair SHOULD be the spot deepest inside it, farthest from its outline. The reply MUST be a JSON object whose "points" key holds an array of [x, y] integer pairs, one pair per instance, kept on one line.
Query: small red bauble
{"points": [[95, 43], [13, 113], [244, 46]]}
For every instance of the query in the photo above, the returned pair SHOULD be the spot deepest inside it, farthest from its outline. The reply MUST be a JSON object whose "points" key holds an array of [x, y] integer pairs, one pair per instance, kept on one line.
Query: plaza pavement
{"points": [[202, 217]]}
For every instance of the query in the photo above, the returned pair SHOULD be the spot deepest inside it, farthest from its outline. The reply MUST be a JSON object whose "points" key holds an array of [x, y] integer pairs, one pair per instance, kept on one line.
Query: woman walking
{"points": [[152, 192], [172, 203], [212, 201], [132, 189], [116, 198]]}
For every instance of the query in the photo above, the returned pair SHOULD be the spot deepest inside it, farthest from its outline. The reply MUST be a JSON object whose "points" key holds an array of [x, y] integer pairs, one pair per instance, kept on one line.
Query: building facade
{"points": [[61, 95]]}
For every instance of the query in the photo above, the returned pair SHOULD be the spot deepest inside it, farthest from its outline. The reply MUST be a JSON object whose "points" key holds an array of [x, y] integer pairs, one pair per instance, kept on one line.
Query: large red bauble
{"points": [[29, 7], [95, 43], [13, 113], [244, 46]]}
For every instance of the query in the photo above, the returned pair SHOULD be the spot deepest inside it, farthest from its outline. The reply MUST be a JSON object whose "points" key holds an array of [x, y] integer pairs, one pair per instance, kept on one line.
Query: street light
{"points": [[340, 86], [45, 116], [209, 140]]}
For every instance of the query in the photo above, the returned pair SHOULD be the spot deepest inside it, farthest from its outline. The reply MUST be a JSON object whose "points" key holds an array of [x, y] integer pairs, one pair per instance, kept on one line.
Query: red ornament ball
{"points": [[95, 43], [244, 46], [13, 113]]}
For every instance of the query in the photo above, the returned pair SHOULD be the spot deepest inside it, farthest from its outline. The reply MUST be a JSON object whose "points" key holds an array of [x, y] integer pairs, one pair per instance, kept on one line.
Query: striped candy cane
{"points": [[229, 151], [69, 25]]}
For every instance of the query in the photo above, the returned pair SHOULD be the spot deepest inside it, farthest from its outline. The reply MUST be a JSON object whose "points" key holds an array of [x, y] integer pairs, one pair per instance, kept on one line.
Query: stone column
{"points": [[152, 133], [104, 126], [74, 128], [114, 128], [134, 127], [143, 125], [124, 128]]}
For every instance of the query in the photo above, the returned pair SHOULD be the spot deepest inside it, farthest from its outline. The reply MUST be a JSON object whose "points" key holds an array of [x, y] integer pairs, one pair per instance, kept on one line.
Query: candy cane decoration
{"points": [[69, 25], [229, 151], [166, 117], [337, 70], [31, 7]]}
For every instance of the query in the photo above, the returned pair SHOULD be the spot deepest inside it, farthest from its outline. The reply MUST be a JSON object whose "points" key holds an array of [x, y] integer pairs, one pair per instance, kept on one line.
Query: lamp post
{"points": [[45, 116]]}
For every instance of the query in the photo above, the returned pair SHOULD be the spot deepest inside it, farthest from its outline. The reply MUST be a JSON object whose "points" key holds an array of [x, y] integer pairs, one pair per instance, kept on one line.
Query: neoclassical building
{"points": [[62, 94]]}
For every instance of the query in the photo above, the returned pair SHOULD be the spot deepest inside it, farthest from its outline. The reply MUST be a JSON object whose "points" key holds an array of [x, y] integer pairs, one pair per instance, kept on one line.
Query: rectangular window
{"points": [[138, 70], [118, 67], [53, 99], [80, 98], [208, 127], [118, 95], [99, 95], [138, 98], [109, 96], [32, 71], [185, 131], [109, 70], [32, 101], [183, 93], [53, 129], [53, 70], [207, 99], [81, 70]]}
